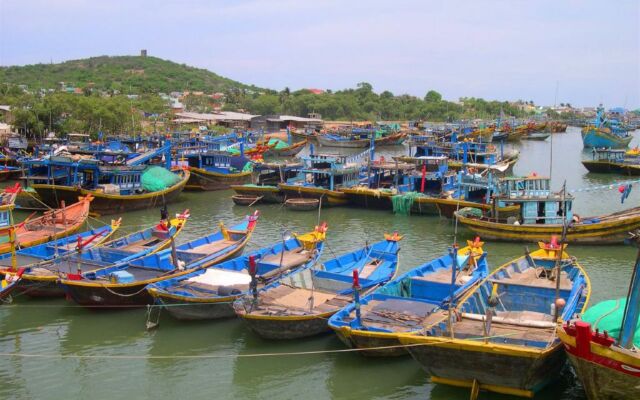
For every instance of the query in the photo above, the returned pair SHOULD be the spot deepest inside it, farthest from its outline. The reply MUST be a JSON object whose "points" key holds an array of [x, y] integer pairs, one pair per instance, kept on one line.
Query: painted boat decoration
{"points": [[119, 200], [542, 213], [332, 140], [43, 279], [603, 345], [9, 283], [54, 224], [503, 337], [410, 301], [209, 293], [124, 284], [300, 304]]}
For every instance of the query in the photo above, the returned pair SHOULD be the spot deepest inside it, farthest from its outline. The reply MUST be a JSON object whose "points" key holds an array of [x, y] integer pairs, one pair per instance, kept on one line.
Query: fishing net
{"points": [[278, 144], [607, 316], [233, 150], [402, 202], [471, 212], [248, 167], [155, 179]]}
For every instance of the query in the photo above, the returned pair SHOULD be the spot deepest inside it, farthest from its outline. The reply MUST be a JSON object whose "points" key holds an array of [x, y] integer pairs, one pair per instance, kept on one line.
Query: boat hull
{"points": [[287, 327], [592, 137], [371, 346], [269, 194], [391, 140], [613, 231], [369, 198], [605, 370], [106, 204], [610, 167], [508, 371], [204, 180], [327, 197], [290, 151], [195, 311]]}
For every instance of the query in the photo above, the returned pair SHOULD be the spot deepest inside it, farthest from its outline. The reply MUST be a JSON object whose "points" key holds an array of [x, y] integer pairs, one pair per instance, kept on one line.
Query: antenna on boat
{"points": [[563, 239], [555, 101]]}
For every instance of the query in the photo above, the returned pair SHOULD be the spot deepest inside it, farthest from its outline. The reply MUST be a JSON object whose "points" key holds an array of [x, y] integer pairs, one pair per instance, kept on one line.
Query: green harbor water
{"points": [[57, 328]]}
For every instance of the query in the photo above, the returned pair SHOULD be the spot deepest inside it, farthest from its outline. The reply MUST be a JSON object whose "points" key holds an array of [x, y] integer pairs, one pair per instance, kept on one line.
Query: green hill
{"points": [[125, 73]]}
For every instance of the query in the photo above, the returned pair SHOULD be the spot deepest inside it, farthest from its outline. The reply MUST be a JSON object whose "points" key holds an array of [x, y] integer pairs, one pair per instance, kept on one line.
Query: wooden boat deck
{"points": [[397, 315], [290, 259], [142, 274], [69, 265], [211, 248], [443, 275], [287, 300], [531, 277], [467, 328], [21, 261], [140, 246]]}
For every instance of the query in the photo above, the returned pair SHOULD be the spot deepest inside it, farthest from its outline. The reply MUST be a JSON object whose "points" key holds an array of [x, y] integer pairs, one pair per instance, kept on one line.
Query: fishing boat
{"points": [[360, 141], [246, 200], [535, 136], [265, 180], [302, 204], [614, 161], [9, 172], [209, 293], [603, 345], [56, 249], [605, 133], [115, 188], [321, 177], [502, 337], [278, 148], [300, 304], [42, 279], [54, 224], [409, 302], [217, 170], [124, 284], [8, 284], [542, 213]]}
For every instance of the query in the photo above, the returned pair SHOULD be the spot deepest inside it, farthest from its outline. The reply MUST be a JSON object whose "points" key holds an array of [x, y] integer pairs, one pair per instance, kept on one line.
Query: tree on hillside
{"points": [[432, 97]]}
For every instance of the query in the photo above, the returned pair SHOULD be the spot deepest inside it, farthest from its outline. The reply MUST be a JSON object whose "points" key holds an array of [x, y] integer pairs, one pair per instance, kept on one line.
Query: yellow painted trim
{"points": [[204, 172], [288, 317], [600, 350], [491, 388]]}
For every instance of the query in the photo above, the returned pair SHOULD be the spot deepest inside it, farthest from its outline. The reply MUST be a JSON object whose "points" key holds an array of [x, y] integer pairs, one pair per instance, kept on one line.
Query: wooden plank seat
{"points": [[402, 314], [530, 277], [444, 276], [210, 248], [370, 268], [140, 246], [290, 259]]}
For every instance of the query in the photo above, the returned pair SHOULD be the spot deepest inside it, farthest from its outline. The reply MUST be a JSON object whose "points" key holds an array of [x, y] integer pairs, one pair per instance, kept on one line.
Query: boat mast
{"points": [[563, 239]]}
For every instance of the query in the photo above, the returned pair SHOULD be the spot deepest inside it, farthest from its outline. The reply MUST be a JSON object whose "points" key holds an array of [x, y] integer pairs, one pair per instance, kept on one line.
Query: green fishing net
{"points": [[402, 202], [155, 179]]}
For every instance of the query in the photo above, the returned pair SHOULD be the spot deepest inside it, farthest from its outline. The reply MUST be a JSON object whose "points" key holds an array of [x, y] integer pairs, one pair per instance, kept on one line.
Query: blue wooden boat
{"points": [[605, 133], [124, 283], [300, 304], [408, 302], [209, 293], [41, 279], [503, 337]]}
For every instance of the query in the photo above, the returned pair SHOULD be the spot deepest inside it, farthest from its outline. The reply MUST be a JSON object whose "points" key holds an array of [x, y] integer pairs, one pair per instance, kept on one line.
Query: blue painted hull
{"points": [[594, 138]]}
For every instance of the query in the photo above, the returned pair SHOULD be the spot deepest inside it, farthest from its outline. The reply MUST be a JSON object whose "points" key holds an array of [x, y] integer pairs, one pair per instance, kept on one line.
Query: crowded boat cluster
{"points": [[467, 323]]}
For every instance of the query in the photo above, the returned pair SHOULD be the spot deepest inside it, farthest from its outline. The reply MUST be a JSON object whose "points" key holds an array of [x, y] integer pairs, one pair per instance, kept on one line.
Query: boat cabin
{"points": [[217, 161], [608, 155], [274, 173], [329, 171], [538, 204], [432, 175]]}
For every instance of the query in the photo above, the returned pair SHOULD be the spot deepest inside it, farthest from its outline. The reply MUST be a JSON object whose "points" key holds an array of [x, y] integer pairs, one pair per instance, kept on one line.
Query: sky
{"points": [[586, 52]]}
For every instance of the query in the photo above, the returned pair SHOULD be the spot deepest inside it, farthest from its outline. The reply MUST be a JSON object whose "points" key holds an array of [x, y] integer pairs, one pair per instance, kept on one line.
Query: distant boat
{"points": [[605, 133], [503, 337], [616, 161], [300, 304], [408, 302], [209, 293], [333, 140]]}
